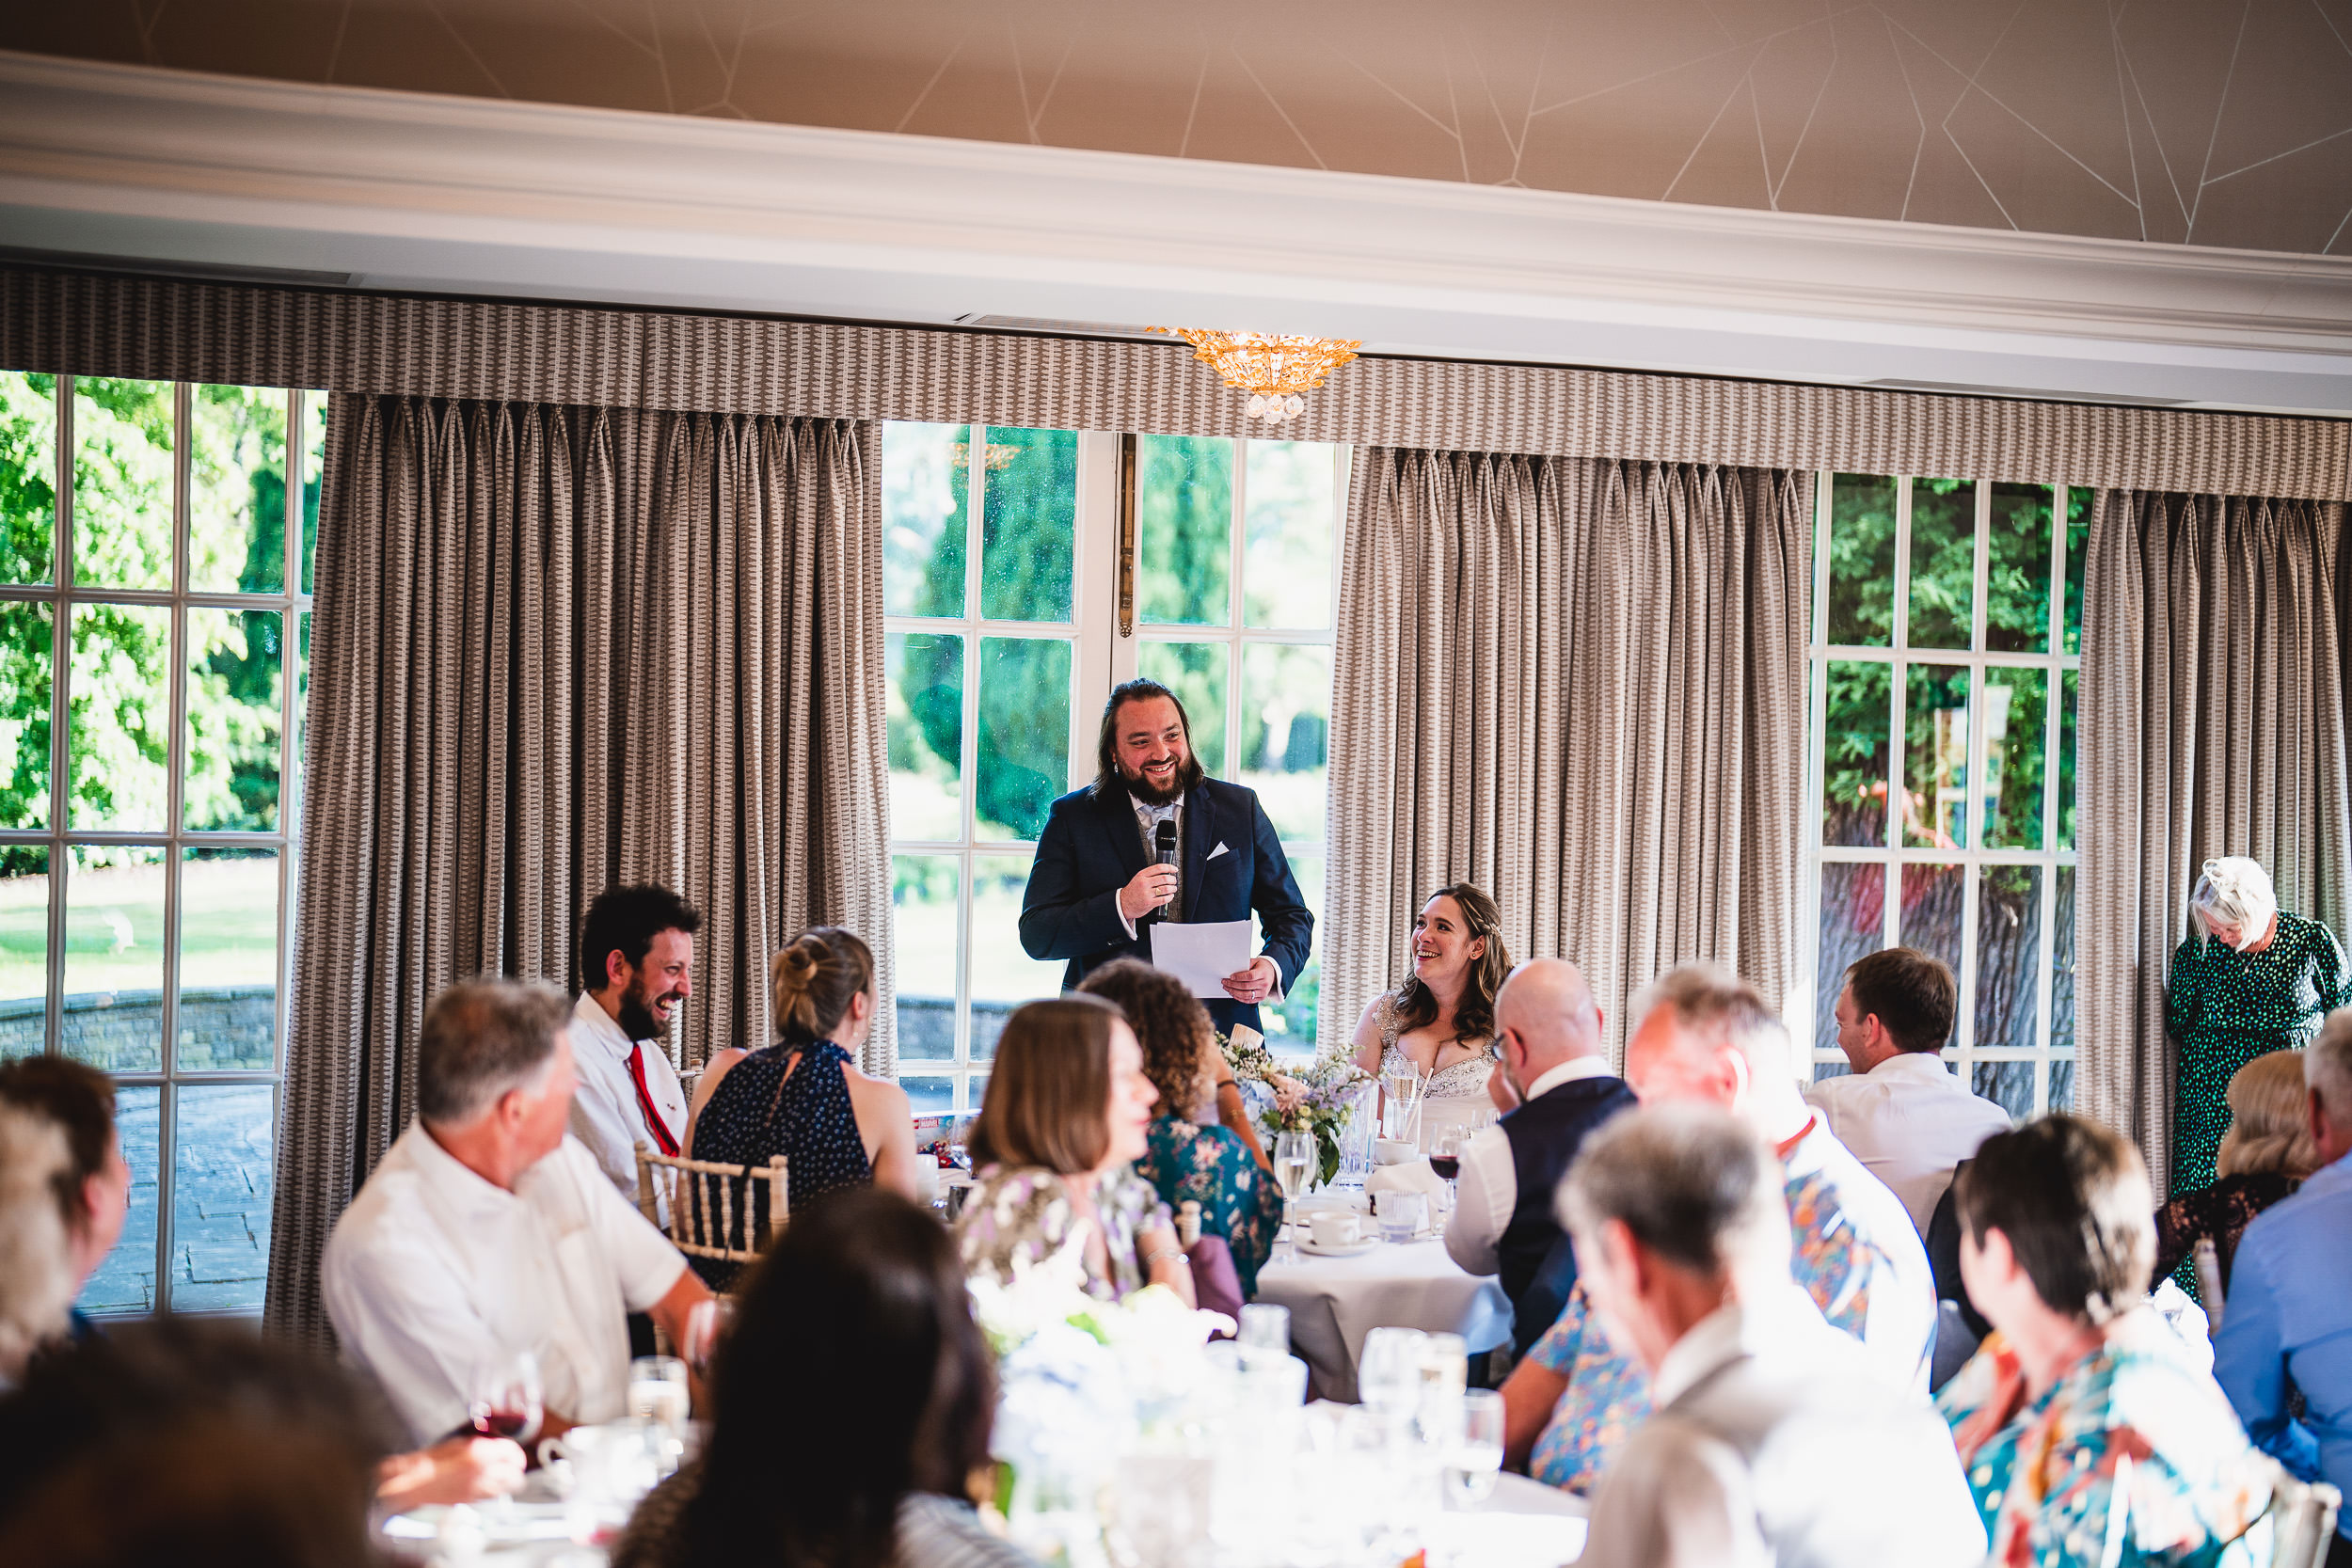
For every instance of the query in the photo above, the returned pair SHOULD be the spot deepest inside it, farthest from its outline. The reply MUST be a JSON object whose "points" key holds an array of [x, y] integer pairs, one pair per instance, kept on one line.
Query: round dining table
{"points": [[1335, 1301]]}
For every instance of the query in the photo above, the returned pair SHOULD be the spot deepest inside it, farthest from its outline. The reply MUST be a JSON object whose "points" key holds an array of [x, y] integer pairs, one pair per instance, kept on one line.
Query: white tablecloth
{"points": [[1334, 1302]]}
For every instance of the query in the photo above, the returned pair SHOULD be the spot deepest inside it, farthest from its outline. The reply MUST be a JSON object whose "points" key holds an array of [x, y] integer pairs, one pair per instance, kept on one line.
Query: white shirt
{"points": [[605, 1115], [433, 1272], [1775, 1442], [1148, 820], [1487, 1188], [1909, 1121]]}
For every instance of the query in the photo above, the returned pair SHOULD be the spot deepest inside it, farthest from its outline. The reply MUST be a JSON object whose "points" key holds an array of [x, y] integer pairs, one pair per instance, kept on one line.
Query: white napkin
{"points": [[1415, 1175]]}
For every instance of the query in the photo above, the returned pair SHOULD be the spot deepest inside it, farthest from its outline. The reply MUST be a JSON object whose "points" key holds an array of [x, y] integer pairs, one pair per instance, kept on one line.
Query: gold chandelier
{"points": [[1276, 369]]}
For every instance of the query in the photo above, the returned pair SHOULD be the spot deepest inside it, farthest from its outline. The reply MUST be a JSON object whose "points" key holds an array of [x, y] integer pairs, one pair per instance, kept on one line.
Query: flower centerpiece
{"points": [[1082, 1384], [1321, 1098]]}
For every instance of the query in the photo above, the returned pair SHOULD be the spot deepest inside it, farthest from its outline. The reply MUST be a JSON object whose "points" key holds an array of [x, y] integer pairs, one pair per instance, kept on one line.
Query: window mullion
{"points": [[60, 711], [1897, 801]]}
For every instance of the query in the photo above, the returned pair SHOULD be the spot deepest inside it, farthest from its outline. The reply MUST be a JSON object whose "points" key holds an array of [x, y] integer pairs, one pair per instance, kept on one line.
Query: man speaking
{"points": [[1153, 838]]}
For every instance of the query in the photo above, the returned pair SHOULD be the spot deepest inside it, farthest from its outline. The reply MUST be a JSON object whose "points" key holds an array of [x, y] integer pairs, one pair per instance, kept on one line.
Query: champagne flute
{"points": [[1474, 1459], [1294, 1157]]}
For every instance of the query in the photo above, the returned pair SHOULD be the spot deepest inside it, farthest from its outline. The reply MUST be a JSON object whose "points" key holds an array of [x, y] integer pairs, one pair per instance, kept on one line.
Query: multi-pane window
{"points": [[1001, 588], [1945, 645], [153, 621]]}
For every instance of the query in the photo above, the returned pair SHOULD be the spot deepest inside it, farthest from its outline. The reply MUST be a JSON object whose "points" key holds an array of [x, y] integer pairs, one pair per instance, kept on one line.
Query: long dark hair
{"points": [[1474, 1014], [853, 1376], [1106, 774]]}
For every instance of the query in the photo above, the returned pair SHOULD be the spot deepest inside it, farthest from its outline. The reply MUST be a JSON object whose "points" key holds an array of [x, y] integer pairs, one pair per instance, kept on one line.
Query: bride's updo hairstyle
{"points": [[812, 983]]}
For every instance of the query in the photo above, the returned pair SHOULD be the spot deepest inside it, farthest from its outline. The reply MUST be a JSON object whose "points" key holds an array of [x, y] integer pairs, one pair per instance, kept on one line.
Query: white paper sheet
{"points": [[1201, 956]]}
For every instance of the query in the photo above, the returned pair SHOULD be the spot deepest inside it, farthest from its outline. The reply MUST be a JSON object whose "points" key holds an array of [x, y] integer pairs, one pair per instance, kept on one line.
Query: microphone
{"points": [[1164, 841]]}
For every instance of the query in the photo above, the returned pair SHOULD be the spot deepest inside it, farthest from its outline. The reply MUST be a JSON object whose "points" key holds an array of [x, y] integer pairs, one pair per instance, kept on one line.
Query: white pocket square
{"points": [[1218, 850]]}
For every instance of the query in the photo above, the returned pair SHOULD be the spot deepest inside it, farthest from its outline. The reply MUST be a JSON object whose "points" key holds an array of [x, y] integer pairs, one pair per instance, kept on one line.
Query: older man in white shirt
{"points": [[1774, 1443], [485, 1231], [1901, 1111], [636, 960]]}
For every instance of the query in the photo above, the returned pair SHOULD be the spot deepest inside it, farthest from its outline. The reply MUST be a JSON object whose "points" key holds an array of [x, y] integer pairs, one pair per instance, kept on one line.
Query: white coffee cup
{"points": [[1335, 1227]]}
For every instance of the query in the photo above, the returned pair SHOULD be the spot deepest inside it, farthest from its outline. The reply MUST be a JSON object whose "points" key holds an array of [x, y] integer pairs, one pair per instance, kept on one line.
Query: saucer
{"points": [[1354, 1249]]}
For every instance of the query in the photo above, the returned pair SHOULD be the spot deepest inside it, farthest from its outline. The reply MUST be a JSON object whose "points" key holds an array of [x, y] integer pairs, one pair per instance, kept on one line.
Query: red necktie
{"points": [[654, 1122]]}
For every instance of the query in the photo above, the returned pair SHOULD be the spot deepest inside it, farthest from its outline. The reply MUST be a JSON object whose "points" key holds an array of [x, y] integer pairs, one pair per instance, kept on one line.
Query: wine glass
{"points": [[1445, 1158], [1475, 1457], [504, 1399], [1294, 1157], [707, 1325]]}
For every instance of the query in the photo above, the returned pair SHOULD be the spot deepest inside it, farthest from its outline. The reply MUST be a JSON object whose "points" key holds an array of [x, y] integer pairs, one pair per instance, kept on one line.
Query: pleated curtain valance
{"points": [[179, 330]]}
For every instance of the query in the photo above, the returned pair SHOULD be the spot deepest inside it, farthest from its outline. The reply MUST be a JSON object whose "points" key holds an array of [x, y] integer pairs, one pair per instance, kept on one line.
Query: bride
{"points": [[1438, 1024]]}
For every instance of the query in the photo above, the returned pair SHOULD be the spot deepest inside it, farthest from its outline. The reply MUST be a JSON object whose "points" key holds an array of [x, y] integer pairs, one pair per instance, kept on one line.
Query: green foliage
{"points": [[1943, 562], [1184, 529], [119, 720], [28, 475]]}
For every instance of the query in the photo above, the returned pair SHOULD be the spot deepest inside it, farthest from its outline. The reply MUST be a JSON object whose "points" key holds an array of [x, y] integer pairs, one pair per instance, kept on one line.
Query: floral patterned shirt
{"points": [[1185, 1161], [2046, 1472], [1023, 1215], [1854, 1252]]}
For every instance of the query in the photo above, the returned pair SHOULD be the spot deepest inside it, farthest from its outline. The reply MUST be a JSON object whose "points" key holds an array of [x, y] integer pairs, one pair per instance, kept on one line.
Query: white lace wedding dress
{"points": [[1452, 1096]]}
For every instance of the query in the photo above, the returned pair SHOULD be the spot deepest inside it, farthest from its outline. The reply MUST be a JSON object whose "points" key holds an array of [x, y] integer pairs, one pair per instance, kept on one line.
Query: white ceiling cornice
{"points": [[407, 190]]}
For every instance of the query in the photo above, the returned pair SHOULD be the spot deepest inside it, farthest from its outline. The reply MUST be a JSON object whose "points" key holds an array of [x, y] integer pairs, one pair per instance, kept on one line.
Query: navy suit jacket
{"points": [[1091, 848]]}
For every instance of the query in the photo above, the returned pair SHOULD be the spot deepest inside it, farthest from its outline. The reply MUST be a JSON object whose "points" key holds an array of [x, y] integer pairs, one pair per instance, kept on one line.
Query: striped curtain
{"points": [[556, 648], [2216, 634], [1580, 685]]}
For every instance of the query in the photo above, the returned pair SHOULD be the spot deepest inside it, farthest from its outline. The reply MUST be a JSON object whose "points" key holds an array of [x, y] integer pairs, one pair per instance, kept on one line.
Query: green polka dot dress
{"points": [[2225, 1008]]}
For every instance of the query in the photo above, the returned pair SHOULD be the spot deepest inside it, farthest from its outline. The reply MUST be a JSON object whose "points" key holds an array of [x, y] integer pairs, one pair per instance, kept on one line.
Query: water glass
{"points": [[1265, 1326], [707, 1325], [658, 1392], [1389, 1379], [1475, 1458]]}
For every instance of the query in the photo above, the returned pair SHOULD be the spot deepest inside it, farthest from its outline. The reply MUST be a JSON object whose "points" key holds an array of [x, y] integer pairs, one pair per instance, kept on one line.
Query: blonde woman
{"points": [[2265, 1156], [2249, 979], [802, 1098]]}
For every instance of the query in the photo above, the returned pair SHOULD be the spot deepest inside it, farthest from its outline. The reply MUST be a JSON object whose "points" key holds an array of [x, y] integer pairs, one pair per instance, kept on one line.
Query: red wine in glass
{"points": [[1446, 1166], [501, 1423]]}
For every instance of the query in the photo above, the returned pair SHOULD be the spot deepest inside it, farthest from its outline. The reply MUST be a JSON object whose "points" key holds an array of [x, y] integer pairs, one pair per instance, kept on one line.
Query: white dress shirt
{"points": [[433, 1273], [1775, 1444], [1487, 1188], [605, 1115], [1909, 1121]]}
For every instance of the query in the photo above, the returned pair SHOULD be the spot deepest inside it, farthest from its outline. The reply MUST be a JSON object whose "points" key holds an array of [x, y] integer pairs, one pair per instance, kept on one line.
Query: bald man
{"points": [[1555, 1087], [1710, 1038]]}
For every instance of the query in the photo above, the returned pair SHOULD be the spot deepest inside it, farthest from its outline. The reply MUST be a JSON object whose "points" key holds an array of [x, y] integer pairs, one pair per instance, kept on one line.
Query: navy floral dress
{"points": [[758, 1113], [1185, 1161]]}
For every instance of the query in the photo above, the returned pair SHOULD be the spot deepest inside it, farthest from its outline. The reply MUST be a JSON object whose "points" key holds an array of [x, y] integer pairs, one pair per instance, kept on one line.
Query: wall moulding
{"points": [[482, 196]]}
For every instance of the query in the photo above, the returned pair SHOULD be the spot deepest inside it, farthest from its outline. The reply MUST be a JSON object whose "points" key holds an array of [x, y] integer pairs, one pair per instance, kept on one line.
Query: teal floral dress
{"points": [[1185, 1161], [2135, 1416], [2225, 1008]]}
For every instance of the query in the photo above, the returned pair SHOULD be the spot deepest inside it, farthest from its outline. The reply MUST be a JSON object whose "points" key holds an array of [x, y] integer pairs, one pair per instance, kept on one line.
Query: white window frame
{"points": [[1892, 854], [293, 605], [1101, 657]]}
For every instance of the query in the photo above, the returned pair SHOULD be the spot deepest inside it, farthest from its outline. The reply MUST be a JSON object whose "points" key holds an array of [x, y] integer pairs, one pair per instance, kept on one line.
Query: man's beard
{"points": [[1188, 774], [636, 1018]]}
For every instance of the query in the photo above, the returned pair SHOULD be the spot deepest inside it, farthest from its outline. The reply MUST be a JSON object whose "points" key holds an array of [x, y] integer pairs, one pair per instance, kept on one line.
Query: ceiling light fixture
{"points": [[1276, 369]]}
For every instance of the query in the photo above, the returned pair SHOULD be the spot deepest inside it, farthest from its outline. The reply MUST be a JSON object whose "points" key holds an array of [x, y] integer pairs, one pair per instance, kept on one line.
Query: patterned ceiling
{"points": [[2216, 123]]}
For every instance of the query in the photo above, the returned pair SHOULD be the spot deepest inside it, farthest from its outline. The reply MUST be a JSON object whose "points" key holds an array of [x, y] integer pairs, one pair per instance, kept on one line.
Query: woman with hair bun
{"points": [[802, 1098]]}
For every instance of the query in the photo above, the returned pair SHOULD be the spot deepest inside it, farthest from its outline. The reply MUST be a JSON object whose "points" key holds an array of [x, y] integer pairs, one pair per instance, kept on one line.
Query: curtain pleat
{"points": [[1578, 684], [556, 648], [2215, 632]]}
